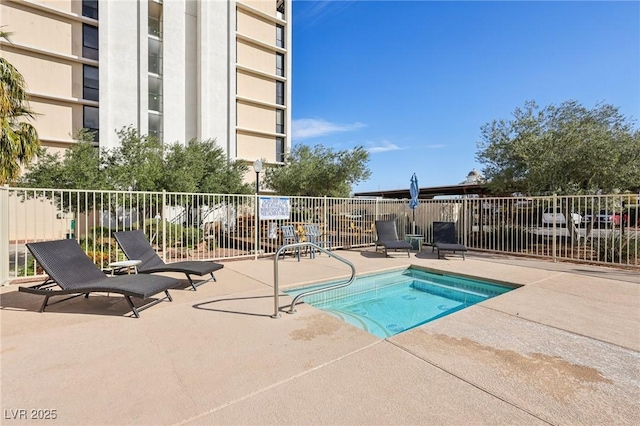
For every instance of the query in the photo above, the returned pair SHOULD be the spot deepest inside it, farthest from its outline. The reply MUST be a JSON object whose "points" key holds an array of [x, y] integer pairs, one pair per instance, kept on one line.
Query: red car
{"points": [[616, 219]]}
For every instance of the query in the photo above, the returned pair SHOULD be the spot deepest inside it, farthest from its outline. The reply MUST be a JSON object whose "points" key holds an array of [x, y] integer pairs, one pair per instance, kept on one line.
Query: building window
{"points": [[280, 36], [155, 93], [280, 92], [280, 64], [155, 56], [279, 121], [155, 27], [155, 18], [90, 83], [91, 121], [280, 150], [90, 42], [90, 8], [155, 126], [280, 8]]}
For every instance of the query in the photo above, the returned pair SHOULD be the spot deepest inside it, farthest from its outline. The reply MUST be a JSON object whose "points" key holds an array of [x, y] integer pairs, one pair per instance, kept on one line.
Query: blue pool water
{"points": [[388, 303]]}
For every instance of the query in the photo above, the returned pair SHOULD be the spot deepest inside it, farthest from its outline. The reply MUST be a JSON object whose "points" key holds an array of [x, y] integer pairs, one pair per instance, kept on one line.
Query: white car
{"points": [[549, 218], [600, 220]]}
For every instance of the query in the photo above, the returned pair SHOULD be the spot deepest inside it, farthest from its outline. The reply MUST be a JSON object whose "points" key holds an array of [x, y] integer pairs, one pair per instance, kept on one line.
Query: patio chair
{"points": [[444, 239], [314, 235], [71, 270], [135, 245], [387, 237], [289, 236]]}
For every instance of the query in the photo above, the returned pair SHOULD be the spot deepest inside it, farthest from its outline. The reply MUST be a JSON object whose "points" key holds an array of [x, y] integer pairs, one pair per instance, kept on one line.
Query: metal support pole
{"points": [[256, 226], [554, 244], [257, 183], [4, 235], [164, 225]]}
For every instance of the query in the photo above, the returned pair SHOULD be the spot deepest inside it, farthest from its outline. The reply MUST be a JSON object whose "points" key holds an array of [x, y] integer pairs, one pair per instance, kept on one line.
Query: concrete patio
{"points": [[562, 349]]}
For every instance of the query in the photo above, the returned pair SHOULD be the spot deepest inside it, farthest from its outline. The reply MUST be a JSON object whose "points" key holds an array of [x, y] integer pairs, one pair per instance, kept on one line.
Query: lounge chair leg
{"points": [[44, 303], [213, 277], [168, 295], [132, 306], [191, 282]]}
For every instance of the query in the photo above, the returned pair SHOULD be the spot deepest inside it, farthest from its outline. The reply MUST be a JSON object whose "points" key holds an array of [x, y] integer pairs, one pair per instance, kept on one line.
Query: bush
{"points": [[99, 243], [618, 249], [101, 258], [30, 269], [192, 236], [153, 229]]}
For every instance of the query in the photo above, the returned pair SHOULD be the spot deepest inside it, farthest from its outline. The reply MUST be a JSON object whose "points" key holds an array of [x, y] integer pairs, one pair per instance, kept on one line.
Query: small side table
{"points": [[415, 240], [125, 264]]}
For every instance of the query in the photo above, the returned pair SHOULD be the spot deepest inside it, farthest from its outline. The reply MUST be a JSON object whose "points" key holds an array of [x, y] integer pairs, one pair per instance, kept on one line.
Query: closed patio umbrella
{"points": [[414, 191]]}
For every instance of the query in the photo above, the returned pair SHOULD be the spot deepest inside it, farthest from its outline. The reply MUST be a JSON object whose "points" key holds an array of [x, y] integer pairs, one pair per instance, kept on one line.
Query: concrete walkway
{"points": [[562, 349]]}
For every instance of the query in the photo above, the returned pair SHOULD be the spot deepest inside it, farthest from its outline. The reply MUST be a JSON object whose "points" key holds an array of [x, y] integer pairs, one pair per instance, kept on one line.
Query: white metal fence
{"points": [[597, 229]]}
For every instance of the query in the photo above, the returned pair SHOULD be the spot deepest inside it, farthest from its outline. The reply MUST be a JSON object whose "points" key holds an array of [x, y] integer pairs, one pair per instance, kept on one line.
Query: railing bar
{"points": [[276, 283]]}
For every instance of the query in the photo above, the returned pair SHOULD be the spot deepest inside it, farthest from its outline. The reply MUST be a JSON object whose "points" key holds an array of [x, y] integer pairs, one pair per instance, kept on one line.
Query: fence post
{"points": [[4, 235], [554, 244], [164, 225], [465, 220], [325, 214], [256, 227]]}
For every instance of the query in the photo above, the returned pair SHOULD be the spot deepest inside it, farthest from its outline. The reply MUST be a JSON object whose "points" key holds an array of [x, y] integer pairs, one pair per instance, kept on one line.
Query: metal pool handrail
{"points": [[276, 278]]}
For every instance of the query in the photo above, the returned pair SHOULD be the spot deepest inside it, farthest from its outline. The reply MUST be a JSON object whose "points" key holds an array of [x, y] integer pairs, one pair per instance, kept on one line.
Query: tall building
{"points": [[176, 69]]}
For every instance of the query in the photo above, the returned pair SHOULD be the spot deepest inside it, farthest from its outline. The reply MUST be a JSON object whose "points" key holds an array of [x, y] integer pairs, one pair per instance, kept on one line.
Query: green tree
{"points": [[79, 168], [319, 171], [202, 166], [139, 163], [564, 149], [19, 139], [136, 164]]}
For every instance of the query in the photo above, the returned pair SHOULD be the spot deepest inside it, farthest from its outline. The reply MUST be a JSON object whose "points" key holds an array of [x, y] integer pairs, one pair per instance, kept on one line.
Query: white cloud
{"points": [[306, 128], [383, 146], [435, 146]]}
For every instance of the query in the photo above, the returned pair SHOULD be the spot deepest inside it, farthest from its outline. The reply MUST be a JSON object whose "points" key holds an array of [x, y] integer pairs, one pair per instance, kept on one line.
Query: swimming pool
{"points": [[389, 303]]}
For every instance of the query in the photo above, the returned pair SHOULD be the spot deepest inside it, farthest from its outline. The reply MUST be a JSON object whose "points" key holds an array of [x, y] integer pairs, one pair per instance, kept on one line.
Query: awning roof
{"points": [[430, 192]]}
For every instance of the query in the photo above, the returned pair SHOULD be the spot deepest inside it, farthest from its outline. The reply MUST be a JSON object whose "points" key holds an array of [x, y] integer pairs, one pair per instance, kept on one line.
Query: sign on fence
{"points": [[275, 208]]}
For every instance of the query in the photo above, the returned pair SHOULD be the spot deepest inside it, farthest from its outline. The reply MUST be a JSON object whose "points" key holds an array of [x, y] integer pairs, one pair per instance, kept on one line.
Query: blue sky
{"points": [[413, 81]]}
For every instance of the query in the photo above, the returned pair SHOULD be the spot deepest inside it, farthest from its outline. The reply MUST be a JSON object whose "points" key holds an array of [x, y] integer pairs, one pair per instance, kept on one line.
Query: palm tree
{"points": [[19, 139]]}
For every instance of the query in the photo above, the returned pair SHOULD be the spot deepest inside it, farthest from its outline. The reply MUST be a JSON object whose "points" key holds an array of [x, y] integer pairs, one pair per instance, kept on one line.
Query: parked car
{"points": [[601, 220], [626, 219], [549, 217]]}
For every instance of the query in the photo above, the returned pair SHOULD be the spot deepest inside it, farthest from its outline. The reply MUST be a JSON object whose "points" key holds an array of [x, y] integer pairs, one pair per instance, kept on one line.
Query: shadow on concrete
{"points": [[204, 306], [95, 304]]}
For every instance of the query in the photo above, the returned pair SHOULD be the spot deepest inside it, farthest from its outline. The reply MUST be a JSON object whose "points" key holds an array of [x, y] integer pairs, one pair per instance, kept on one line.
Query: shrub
{"points": [[153, 229], [619, 248], [101, 258], [99, 243], [191, 236], [30, 269]]}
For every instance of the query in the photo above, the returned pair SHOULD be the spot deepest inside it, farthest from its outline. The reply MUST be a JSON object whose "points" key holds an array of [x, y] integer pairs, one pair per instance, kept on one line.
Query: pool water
{"points": [[389, 303]]}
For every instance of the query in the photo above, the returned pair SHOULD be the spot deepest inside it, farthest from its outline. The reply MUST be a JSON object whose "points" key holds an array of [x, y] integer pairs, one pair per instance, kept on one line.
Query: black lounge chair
{"points": [[135, 246], [444, 239], [387, 237], [70, 269]]}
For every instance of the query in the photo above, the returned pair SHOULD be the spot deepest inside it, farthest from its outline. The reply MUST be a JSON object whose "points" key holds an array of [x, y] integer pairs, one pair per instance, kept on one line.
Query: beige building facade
{"points": [[175, 69]]}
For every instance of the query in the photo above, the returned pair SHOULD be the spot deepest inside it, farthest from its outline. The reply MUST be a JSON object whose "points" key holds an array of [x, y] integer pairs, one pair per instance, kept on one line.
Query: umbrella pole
{"points": [[414, 221]]}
